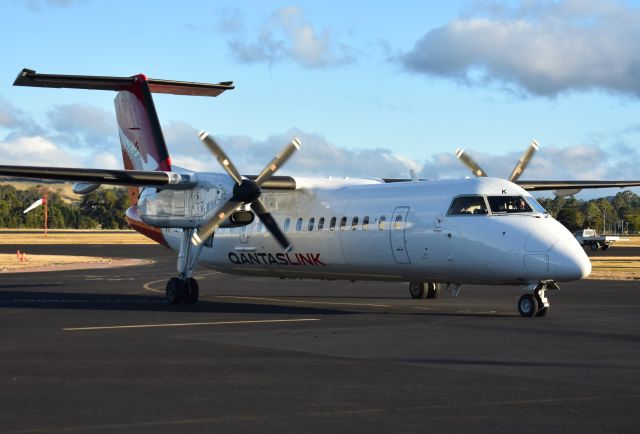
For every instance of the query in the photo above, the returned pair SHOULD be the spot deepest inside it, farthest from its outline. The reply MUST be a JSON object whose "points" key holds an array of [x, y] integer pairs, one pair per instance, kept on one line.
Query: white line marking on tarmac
{"points": [[189, 324], [302, 301]]}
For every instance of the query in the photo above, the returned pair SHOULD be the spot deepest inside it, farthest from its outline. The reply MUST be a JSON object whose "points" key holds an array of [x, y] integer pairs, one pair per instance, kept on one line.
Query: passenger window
{"points": [[468, 205], [397, 224], [311, 222], [343, 223], [365, 223], [286, 225], [381, 221], [354, 223], [260, 226], [332, 224], [299, 225], [321, 223]]}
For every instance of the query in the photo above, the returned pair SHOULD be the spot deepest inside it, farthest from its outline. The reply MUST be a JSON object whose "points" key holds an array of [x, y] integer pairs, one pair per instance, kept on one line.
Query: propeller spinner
{"points": [[246, 191]]}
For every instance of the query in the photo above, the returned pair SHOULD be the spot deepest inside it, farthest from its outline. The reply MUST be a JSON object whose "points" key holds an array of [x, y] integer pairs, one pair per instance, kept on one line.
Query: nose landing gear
{"points": [[424, 290], [536, 303]]}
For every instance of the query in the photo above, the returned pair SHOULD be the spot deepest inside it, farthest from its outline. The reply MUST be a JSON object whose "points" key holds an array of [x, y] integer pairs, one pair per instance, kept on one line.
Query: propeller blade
{"points": [[468, 161], [269, 222], [221, 156], [214, 222], [524, 161], [278, 161]]}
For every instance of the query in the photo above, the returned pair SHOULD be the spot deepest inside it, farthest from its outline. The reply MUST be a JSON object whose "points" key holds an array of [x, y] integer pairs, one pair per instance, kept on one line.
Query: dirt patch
{"points": [[11, 263], [72, 237], [615, 268]]}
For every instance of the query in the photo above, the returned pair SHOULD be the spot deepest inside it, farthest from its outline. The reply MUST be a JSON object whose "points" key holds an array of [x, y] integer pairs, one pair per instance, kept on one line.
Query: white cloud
{"points": [[36, 151], [577, 162], [83, 125], [543, 48], [288, 36]]}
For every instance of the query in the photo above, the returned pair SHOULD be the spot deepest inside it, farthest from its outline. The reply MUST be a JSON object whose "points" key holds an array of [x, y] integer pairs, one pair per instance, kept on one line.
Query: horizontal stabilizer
{"points": [[28, 77]]}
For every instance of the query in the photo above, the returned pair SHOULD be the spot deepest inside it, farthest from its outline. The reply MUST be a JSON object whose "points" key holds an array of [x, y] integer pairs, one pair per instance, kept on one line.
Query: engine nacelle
{"points": [[187, 208]]}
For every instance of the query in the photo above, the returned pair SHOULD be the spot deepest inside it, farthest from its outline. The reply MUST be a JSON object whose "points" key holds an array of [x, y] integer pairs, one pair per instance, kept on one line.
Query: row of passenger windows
{"points": [[322, 224]]}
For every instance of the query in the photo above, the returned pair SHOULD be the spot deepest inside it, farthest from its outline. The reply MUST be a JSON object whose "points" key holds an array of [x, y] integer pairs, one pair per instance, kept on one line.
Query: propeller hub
{"points": [[247, 191]]}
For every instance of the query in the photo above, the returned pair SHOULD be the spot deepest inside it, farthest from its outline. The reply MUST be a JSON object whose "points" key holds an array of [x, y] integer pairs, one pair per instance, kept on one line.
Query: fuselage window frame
{"points": [[311, 223], [332, 224], [321, 224], [381, 222], [343, 223]]}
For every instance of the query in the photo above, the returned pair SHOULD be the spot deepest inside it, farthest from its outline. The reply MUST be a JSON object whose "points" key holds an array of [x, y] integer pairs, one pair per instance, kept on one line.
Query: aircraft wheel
{"points": [[175, 292], [432, 290], [192, 291], [416, 289], [605, 246], [594, 246], [527, 305]]}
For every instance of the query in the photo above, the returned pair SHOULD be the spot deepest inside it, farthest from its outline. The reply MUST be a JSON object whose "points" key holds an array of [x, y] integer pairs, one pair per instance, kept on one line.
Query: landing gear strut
{"points": [[184, 288], [536, 303], [424, 289]]}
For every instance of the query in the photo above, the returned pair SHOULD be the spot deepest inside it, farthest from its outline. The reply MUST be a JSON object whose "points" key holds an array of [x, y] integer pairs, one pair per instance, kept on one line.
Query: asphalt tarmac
{"points": [[100, 351]]}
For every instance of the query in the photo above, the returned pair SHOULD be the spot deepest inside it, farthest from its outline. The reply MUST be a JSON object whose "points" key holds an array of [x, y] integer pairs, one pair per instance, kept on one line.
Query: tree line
{"points": [[100, 209], [105, 209], [619, 214]]}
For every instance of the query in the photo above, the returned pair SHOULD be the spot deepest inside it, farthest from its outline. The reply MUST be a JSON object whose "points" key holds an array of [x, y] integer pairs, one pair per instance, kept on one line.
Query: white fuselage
{"points": [[400, 231]]}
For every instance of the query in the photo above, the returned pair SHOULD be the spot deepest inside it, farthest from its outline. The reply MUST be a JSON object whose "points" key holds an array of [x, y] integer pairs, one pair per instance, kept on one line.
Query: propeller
{"points": [[246, 191], [517, 171], [470, 163], [524, 161]]}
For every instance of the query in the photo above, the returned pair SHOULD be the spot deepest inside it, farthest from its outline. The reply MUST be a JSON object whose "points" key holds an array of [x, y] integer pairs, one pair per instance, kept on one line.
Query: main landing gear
{"points": [[536, 303], [424, 290], [184, 288]]}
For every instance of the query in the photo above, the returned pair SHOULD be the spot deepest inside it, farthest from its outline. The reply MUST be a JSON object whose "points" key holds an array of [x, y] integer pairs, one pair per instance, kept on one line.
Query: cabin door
{"points": [[397, 235]]}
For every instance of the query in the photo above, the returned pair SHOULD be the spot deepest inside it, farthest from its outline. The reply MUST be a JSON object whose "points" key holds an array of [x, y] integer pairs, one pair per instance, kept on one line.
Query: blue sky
{"points": [[371, 89]]}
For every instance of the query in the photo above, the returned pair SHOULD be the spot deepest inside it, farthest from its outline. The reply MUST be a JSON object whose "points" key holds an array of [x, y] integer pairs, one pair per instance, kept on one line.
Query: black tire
{"points": [[433, 291], [175, 291], [192, 291], [416, 290], [527, 305], [604, 246], [594, 246]]}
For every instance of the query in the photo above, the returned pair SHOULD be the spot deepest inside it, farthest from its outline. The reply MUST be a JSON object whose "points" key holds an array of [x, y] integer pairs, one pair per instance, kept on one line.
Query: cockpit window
{"points": [[508, 204], [468, 205], [536, 205]]}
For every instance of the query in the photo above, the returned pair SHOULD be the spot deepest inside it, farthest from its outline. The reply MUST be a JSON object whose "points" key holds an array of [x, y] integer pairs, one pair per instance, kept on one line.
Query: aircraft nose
{"points": [[568, 261]]}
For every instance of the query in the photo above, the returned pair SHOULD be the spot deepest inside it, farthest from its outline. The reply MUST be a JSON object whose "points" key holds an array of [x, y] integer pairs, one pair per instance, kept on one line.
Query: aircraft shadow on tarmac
{"points": [[124, 302], [127, 302]]}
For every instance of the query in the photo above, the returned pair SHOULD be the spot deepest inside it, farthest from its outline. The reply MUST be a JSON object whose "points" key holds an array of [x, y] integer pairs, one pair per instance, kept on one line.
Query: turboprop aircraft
{"points": [[478, 230]]}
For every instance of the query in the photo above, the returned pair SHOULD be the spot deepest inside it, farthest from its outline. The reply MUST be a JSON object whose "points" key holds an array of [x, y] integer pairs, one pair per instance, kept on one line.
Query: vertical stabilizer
{"points": [[143, 145]]}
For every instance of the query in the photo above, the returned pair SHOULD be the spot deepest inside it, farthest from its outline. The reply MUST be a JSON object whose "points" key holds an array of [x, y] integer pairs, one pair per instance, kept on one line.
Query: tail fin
{"points": [[141, 139], [143, 145]]}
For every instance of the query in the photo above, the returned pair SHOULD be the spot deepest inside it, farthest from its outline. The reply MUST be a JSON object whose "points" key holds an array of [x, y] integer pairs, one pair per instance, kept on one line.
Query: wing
{"points": [[574, 185], [130, 178]]}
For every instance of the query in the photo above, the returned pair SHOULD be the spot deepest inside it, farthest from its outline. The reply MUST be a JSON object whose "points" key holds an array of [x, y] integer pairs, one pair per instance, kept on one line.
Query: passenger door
{"points": [[397, 235]]}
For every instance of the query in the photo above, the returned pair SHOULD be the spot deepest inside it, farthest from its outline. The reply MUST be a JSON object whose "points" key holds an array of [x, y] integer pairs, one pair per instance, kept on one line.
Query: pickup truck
{"points": [[589, 237]]}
